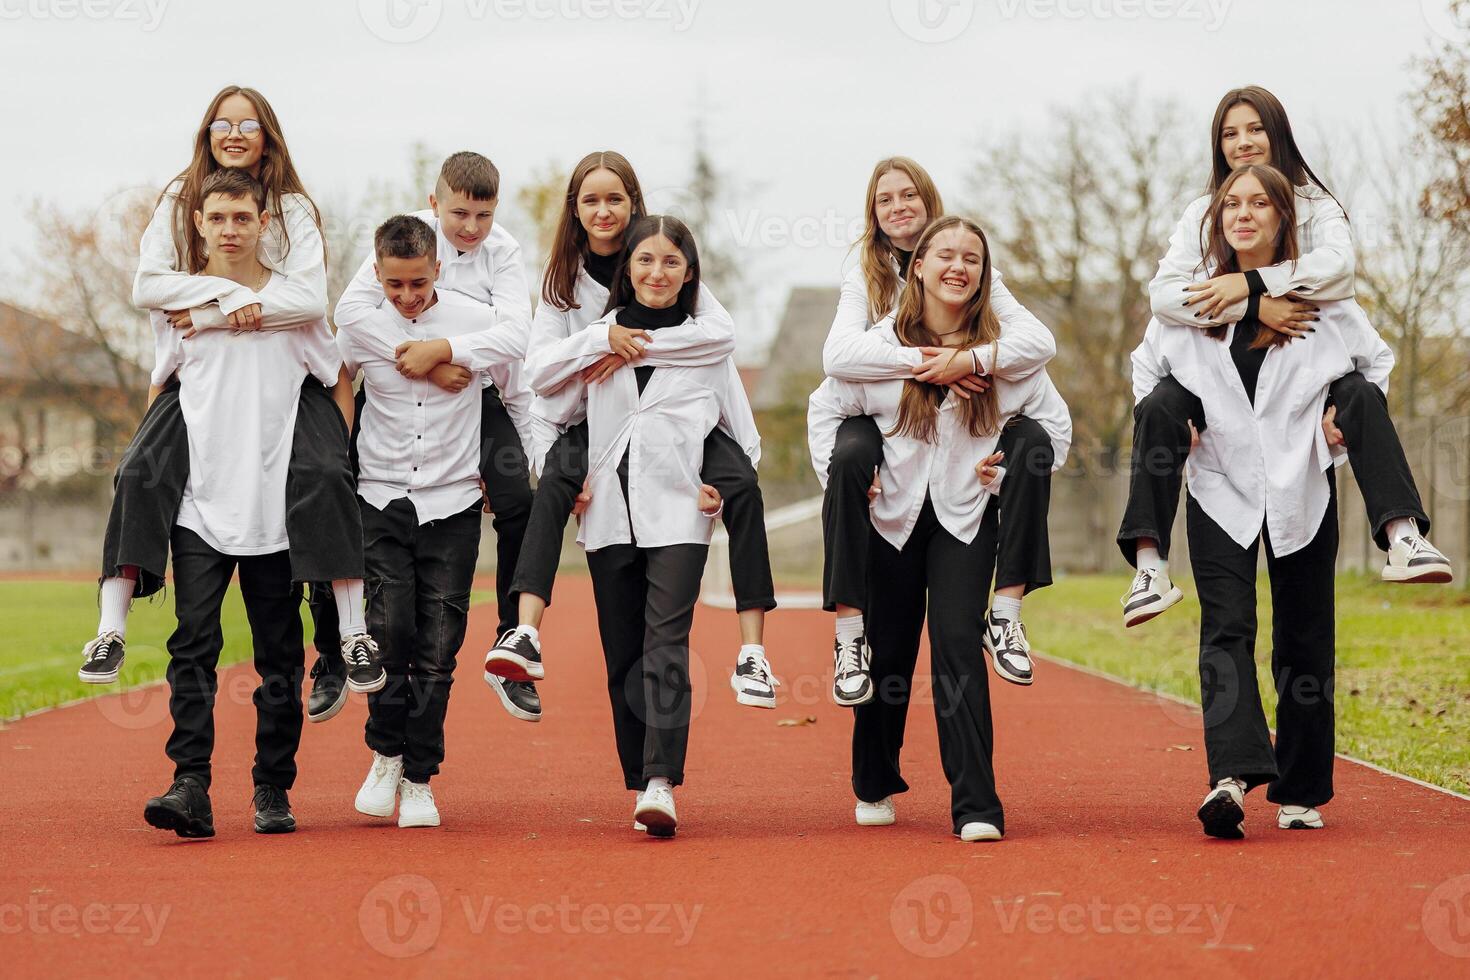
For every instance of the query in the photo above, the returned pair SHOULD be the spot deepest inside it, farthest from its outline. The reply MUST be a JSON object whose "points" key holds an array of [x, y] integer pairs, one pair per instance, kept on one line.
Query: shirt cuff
{"points": [[238, 299], [208, 317], [993, 486]]}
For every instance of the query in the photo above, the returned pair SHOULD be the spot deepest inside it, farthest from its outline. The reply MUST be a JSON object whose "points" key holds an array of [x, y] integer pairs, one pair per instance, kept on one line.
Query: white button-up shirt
{"points": [[943, 470], [1264, 464], [1323, 272], [416, 439], [853, 353], [491, 273]]}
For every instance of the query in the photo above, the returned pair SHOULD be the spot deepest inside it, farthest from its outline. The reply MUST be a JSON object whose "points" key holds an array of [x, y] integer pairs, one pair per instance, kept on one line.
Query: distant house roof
{"points": [[33, 348], [795, 365]]}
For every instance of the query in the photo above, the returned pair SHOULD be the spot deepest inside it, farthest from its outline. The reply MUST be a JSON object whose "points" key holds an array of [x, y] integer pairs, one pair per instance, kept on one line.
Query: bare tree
{"points": [[1442, 102], [542, 198]]}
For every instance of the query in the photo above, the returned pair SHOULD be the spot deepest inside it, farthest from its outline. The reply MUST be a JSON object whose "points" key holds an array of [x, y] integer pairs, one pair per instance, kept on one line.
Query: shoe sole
{"points": [[1299, 823], [513, 667], [751, 700], [657, 822], [983, 837], [887, 821], [1000, 670], [275, 828], [419, 822], [167, 818], [1428, 575], [511, 708], [841, 702], [332, 711], [370, 811], [95, 678], [370, 688], [1222, 818], [1144, 613]]}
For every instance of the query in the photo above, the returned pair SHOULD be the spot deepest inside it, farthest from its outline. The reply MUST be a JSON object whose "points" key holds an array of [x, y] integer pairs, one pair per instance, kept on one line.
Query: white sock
{"points": [[532, 632], [658, 781], [1005, 607], [754, 648], [1402, 527], [348, 593], [1148, 557], [117, 597], [849, 628]]}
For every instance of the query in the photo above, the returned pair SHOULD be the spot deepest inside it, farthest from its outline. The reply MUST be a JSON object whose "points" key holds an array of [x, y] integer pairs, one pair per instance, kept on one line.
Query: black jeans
{"points": [[272, 605], [1025, 499], [1161, 445], [726, 468], [1303, 656], [954, 578], [418, 602], [645, 610], [322, 522]]}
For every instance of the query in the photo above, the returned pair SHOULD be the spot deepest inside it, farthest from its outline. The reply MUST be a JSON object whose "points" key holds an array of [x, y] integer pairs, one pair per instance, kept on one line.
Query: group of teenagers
{"points": [[935, 435]]}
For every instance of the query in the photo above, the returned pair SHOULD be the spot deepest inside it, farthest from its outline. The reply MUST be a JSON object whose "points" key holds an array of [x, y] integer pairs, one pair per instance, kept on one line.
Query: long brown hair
{"points": [[569, 244], [639, 232], [1222, 258], [277, 174], [1285, 155], [877, 251], [918, 406]]}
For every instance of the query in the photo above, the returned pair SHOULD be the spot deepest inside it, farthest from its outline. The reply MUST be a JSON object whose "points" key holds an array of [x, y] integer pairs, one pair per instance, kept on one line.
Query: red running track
{"points": [[536, 868]]}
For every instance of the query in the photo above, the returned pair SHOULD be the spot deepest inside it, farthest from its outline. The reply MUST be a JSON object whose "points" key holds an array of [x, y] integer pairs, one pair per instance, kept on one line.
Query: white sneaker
{"points": [[1223, 811], [1414, 559], [640, 827], [879, 814], [1150, 594], [852, 683], [1010, 651], [977, 831], [416, 805], [655, 811], [752, 681], [379, 793], [1299, 818]]}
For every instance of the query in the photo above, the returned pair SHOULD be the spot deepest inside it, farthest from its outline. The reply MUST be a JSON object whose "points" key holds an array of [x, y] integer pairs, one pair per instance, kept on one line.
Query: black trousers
{"points": [[645, 610], [272, 605], [937, 567], [726, 468], [1303, 657], [418, 602], [1024, 556], [322, 522], [1161, 445]]}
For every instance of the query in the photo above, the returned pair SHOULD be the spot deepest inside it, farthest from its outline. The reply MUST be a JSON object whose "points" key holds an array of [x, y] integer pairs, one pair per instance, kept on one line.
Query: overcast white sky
{"points": [[802, 96]]}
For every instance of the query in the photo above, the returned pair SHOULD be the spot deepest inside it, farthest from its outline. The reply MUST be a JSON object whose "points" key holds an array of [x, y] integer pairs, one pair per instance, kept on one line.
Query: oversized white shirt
{"points": [[662, 432], [491, 273], [1323, 272], [239, 395], [943, 470], [853, 353], [1264, 465], [416, 439]]}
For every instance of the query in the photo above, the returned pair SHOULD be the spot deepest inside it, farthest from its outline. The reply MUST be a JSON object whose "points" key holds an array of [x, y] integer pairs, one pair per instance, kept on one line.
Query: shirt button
{"points": [[421, 404]]}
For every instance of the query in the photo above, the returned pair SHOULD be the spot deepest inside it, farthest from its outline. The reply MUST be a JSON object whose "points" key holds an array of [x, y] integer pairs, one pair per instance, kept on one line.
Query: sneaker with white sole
{"points": [[1299, 818], [379, 792], [364, 674], [1223, 811], [519, 698], [1010, 651], [656, 812], [516, 657], [852, 683], [880, 814], [1150, 594], [979, 831], [416, 805], [753, 682], [102, 658], [1415, 560]]}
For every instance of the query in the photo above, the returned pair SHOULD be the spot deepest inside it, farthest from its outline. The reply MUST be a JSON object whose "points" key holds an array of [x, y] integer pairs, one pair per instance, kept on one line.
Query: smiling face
{"points": [[604, 210], [950, 268], [899, 209], [408, 283], [658, 270], [230, 226], [235, 149], [466, 221], [1243, 139], [1248, 219]]}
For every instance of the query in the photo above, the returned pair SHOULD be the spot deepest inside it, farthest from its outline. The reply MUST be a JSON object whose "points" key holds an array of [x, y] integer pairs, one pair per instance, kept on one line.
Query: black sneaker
{"points": [[101, 659], [516, 657], [364, 674], [851, 663], [272, 810], [184, 809], [328, 688], [518, 697], [1010, 651]]}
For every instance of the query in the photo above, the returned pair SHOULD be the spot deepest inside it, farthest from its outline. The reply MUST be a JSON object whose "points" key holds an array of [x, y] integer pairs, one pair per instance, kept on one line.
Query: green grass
{"points": [[47, 623], [1403, 662]]}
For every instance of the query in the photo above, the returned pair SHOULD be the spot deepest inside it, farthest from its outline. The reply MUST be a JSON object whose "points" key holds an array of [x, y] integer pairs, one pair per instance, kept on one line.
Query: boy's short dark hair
{"points": [[470, 174], [405, 237], [234, 183]]}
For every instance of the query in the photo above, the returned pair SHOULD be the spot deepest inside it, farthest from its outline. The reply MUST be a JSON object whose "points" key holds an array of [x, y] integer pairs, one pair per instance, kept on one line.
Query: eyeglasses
{"points": [[249, 128]]}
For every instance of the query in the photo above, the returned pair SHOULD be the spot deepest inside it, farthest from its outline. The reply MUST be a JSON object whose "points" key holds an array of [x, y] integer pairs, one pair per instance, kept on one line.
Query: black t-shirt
{"points": [[639, 317], [905, 259], [601, 267], [1248, 362]]}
